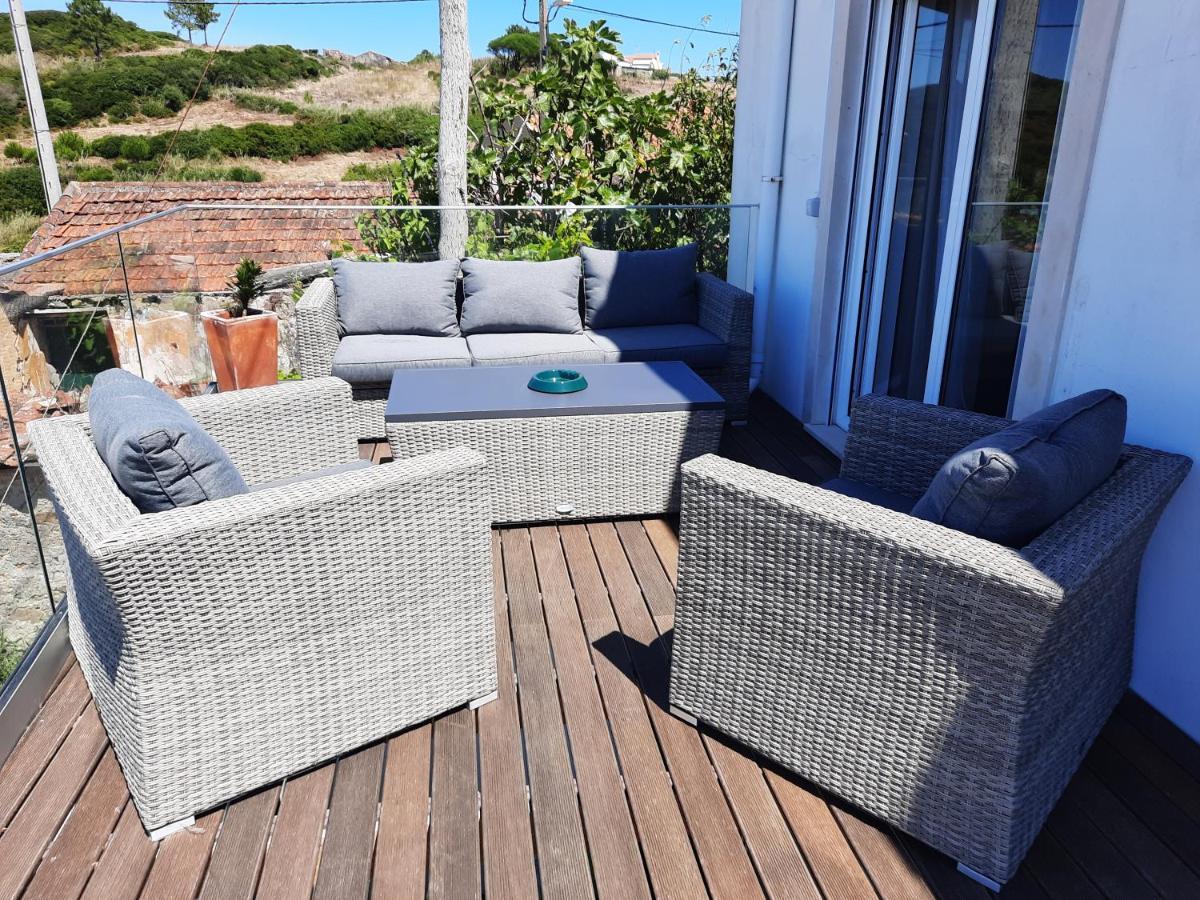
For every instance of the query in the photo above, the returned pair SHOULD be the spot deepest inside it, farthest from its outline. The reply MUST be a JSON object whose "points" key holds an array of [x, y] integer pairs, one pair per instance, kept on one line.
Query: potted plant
{"points": [[243, 342]]}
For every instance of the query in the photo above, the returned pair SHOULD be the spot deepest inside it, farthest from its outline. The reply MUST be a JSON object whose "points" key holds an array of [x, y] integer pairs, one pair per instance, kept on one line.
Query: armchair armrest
{"points": [[726, 311], [899, 445], [317, 332], [280, 430]]}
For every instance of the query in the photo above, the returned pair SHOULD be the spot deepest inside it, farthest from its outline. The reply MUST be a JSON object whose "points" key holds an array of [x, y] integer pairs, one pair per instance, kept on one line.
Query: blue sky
{"points": [[400, 30]]}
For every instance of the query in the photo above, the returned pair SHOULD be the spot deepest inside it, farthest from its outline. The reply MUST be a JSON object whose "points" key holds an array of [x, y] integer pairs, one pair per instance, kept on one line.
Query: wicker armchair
{"points": [[943, 683], [235, 642]]}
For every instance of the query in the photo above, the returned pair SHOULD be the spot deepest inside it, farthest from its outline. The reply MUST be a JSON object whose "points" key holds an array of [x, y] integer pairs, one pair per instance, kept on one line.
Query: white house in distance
{"points": [[994, 205]]}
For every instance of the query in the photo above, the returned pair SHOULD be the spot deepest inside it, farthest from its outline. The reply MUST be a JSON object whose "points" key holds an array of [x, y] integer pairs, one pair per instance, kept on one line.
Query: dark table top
{"points": [[502, 392]]}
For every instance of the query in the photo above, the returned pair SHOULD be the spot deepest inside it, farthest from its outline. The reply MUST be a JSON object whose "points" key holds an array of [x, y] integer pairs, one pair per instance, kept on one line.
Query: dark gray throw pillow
{"points": [[625, 288], [396, 297], [156, 452], [505, 296], [1012, 485]]}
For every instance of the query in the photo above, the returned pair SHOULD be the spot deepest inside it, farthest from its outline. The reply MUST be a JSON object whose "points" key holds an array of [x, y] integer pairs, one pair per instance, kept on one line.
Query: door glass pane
{"points": [[1027, 82], [933, 93]]}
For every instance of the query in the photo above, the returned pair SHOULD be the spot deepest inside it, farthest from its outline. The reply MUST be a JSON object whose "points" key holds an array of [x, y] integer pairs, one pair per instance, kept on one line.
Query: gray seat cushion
{"points": [[397, 298], [870, 494], [1012, 485], [156, 452], [533, 348], [309, 476], [622, 289], [371, 358], [691, 344], [517, 296]]}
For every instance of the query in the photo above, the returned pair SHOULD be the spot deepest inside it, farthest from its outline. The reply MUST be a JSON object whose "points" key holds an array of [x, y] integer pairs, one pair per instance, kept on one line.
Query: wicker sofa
{"points": [[946, 684], [234, 642], [725, 321]]}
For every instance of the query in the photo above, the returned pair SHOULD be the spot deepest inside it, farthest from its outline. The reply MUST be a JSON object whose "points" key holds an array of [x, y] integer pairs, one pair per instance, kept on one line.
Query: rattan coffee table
{"points": [[611, 450]]}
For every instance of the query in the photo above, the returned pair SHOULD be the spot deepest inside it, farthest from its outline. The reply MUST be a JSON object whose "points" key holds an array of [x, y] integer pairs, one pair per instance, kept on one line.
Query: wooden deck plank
{"points": [[1155, 764], [1057, 873], [69, 859], [773, 850], [344, 871], [821, 463], [41, 740], [663, 536], [402, 844], [290, 864], [454, 810], [47, 805], [508, 867], [1168, 822], [833, 863], [1165, 735], [888, 865], [666, 845], [237, 857], [723, 857], [182, 860], [652, 578], [612, 842], [1129, 834], [1095, 854], [121, 870], [557, 824]]}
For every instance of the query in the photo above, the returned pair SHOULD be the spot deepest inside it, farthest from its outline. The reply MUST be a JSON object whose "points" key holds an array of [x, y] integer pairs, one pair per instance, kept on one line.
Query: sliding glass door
{"points": [[956, 155]]}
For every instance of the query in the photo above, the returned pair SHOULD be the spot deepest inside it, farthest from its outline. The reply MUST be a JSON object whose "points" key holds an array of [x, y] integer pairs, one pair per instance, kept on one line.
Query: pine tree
{"points": [[92, 23], [179, 14]]}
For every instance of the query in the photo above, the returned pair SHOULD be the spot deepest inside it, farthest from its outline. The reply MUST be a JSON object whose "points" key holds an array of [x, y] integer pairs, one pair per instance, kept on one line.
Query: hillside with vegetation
{"points": [[134, 105]]}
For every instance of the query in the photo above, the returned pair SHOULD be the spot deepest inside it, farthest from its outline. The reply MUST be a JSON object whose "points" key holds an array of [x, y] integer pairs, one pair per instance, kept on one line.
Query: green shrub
{"points": [[153, 108], [13, 150], [16, 230], [661, 74], [263, 103], [51, 32], [21, 191], [173, 97], [69, 146], [108, 146], [92, 173], [11, 653], [121, 111], [387, 171], [59, 112], [135, 147], [242, 173]]}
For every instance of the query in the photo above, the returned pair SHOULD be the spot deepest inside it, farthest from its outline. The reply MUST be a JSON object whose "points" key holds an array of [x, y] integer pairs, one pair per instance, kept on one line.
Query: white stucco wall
{"points": [[1133, 314]]}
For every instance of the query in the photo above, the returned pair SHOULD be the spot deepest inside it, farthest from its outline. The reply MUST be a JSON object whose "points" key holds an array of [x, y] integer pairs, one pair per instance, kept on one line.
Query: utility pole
{"points": [[34, 103], [543, 31]]}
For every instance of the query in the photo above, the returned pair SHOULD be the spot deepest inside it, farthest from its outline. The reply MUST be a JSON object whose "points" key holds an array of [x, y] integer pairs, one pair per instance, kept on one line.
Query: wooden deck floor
{"points": [[576, 782]]}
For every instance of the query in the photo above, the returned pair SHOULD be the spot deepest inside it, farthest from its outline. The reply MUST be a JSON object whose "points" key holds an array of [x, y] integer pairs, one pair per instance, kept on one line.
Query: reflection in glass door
{"points": [[947, 222]]}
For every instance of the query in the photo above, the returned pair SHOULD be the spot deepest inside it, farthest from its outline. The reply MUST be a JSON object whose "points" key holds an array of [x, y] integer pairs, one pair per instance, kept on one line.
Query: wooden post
{"points": [[452, 127], [37, 108]]}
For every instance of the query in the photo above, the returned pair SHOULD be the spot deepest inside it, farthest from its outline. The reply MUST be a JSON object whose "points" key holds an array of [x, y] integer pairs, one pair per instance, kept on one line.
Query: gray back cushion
{"points": [[640, 287], [396, 298], [1012, 485], [156, 452], [501, 296]]}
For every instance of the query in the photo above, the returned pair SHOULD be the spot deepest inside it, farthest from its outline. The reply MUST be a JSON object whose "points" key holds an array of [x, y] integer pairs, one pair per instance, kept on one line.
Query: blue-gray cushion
{"points": [[372, 358], [397, 298], [622, 288], [869, 493], [156, 452], [532, 348], [1012, 485], [699, 348], [506, 296]]}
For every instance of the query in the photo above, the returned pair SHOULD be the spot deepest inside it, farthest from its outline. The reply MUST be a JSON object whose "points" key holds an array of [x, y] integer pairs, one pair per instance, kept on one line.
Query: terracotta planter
{"points": [[244, 351], [171, 351]]}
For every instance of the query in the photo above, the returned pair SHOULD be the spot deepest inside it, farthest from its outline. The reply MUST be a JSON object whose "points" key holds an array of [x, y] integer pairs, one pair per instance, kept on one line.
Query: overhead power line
{"points": [[617, 15]]}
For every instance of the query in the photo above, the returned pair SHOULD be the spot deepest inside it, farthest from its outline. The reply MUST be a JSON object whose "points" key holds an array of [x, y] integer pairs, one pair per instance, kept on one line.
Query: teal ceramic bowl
{"points": [[557, 381]]}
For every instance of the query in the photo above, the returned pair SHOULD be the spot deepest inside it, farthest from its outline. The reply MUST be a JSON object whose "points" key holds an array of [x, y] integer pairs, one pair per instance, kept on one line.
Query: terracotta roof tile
{"points": [[194, 249]]}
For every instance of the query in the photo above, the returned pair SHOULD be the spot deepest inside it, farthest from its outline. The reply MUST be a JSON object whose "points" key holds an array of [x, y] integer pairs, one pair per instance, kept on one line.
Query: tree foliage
{"points": [[516, 49], [191, 15], [93, 24], [567, 134]]}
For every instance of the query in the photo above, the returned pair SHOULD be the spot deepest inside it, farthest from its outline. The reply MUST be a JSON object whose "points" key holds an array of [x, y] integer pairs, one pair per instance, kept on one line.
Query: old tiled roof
{"points": [[195, 250]]}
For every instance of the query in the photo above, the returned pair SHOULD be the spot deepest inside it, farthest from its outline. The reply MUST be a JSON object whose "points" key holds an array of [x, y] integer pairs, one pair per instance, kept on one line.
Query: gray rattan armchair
{"points": [[232, 643], [943, 683]]}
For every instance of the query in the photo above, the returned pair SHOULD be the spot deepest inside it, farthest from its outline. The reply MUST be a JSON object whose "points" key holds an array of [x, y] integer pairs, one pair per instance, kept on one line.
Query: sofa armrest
{"points": [[899, 445], [317, 332], [726, 311], [280, 430]]}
